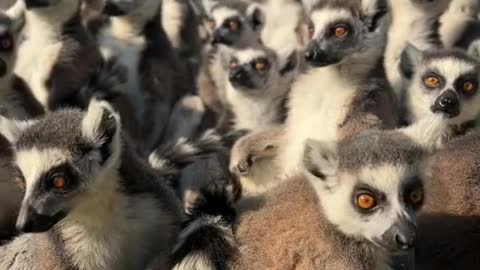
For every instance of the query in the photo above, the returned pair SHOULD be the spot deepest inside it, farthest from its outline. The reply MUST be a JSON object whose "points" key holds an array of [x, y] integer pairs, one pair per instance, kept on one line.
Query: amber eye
{"points": [[366, 201], [468, 87], [233, 25], [311, 30], [416, 196], [6, 43], [432, 82], [261, 65], [341, 31], [21, 182], [59, 182]]}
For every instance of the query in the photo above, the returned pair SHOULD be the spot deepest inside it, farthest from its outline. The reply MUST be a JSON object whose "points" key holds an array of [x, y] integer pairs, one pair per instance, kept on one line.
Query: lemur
{"points": [[442, 81], [90, 202], [415, 22], [235, 24], [448, 224], [460, 24], [156, 79], [57, 54], [257, 84], [347, 188], [344, 92]]}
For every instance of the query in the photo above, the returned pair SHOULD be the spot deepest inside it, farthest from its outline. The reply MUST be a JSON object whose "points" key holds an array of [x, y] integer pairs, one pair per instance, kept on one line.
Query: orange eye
{"points": [[468, 87], [21, 182], [233, 25], [341, 31], [366, 201], [260, 66], [59, 182], [432, 82], [416, 196]]}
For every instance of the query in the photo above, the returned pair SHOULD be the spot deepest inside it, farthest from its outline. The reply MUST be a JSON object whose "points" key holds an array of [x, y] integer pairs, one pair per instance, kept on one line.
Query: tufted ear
{"points": [[374, 12], [410, 58], [320, 159], [12, 129], [101, 124], [256, 17]]}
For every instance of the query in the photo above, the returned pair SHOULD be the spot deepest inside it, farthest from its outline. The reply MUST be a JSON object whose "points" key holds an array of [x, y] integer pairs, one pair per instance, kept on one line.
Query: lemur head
{"points": [[257, 69], [343, 31], [236, 23], [10, 28], [61, 159], [371, 186], [142, 8], [442, 81]]}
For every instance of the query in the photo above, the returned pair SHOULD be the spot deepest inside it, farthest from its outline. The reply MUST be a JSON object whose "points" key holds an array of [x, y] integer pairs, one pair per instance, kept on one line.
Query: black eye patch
{"points": [[6, 43], [467, 84], [65, 171], [339, 23]]}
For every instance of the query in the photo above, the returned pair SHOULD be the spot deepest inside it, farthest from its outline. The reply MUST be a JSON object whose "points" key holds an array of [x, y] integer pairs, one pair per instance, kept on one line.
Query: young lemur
{"points": [[442, 81], [156, 79], [90, 202], [57, 54], [344, 92], [415, 22]]}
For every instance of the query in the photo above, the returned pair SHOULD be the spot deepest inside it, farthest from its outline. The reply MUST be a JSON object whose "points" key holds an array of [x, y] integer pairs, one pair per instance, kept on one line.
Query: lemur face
{"points": [[7, 44], [446, 83], [256, 69], [232, 27], [116, 8], [338, 32], [32, 4], [370, 186], [60, 160]]}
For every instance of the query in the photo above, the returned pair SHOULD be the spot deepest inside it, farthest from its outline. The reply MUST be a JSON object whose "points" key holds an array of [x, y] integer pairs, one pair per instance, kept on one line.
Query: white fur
{"points": [[220, 14], [173, 15], [324, 16], [319, 101], [455, 20]]}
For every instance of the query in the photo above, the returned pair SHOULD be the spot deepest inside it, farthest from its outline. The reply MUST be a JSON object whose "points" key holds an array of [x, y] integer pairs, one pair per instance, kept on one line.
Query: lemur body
{"points": [[329, 230], [446, 82], [156, 79], [460, 24], [347, 91], [57, 55], [415, 22], [90, 202]]}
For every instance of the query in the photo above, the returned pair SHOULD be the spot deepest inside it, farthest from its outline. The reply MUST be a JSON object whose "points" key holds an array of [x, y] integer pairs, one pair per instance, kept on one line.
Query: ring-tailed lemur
{"points": [[345, 91], [257, 85], [354, 208], [156, 79], [460, 24], [90, 201], [442, 81], [415, 22], [57, 54]]}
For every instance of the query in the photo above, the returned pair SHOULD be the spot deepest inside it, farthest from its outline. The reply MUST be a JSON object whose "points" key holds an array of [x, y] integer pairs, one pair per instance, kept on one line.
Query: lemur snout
{"points": [[447, 103], [240, 77], [318, 57], [221, 36], [29, 221]]}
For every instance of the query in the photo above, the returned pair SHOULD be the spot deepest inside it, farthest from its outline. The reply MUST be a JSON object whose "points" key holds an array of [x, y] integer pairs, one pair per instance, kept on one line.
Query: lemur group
{"points": [[239, 134]]}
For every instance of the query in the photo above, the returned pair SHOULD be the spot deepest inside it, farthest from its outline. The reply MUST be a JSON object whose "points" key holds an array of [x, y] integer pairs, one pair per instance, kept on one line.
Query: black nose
{"points": [[32, 222], [221, 36], [318, 57], [36, 3], [447, 103], [240, 78], [405, 240]]}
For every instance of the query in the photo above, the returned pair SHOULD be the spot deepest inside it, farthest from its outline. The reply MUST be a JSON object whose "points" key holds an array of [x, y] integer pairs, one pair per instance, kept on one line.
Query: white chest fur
{"points": [[127, 50], [37, 56], [255, 113], [319, 102]]}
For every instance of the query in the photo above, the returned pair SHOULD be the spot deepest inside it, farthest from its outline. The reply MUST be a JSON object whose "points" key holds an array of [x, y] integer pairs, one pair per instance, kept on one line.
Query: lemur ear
{"points": [[428, 131], [102, 125], [320, 159], [373, 14], [12, 129], [474, 49], [409, 60], [256, 17]]}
